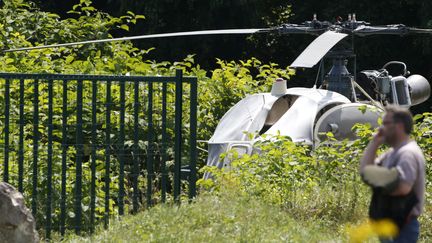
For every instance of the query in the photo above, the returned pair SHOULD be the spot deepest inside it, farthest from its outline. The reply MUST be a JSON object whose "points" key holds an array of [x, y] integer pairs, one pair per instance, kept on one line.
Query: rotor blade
{"points": [[399, 29], [165, 35], [317, 49], [300, 29]]}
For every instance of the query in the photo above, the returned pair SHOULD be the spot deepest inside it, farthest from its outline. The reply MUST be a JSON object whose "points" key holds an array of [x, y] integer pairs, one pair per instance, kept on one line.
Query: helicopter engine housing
{"points": [[397, 90], [419, 88]]}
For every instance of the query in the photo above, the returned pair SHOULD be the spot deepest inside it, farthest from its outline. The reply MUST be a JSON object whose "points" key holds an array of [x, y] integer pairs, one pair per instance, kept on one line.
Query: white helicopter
{"points": [[307, 114], [303, 114]]}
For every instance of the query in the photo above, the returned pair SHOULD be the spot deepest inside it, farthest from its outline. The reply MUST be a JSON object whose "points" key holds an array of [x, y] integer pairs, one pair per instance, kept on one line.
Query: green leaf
{"points": [[125, 27], [53, 15], [363, 108], [89, 9], [69, 59]]}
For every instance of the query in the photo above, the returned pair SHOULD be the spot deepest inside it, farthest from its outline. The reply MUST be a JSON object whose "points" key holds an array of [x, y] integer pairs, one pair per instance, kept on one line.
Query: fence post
{"points": [[149, 161], [64, 155], [6, 132], [21, 138], [178, 134], [79, 155], [107, 153], [49, 159], [121, 146], [35, 144], [93, 156], [164, 143], [135, 169], [193, 137]]}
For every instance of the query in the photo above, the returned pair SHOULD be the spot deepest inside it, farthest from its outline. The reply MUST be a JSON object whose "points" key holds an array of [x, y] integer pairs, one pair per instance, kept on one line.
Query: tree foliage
{"points": [[219, 89], [372, 52]]}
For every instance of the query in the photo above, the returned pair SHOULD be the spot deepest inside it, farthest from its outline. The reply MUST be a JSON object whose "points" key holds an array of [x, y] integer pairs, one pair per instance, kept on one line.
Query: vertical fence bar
{"points": [[79, 155], [21, 138], [178, 134], [35, 145], [49, 159], [164, 142], [107, 152], [193, 137], [64, 154], [150, 144], [6, 132], [93, 157], [135, 170], [121, 147]]}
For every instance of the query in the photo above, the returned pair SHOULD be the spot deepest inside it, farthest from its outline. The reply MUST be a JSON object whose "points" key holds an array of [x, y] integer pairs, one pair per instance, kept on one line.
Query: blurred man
{"points": [[397, 177]]}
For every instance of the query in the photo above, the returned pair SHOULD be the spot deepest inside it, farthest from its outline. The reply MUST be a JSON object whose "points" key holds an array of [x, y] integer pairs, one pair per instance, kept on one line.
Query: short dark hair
{"points": [[401, 115]]}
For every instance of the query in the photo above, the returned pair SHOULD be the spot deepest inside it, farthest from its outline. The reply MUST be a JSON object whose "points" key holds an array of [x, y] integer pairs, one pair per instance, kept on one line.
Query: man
{"points": [[399, 197]]}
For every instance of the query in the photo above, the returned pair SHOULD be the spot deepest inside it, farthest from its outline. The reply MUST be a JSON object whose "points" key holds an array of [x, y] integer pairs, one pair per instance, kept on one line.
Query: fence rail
{"points": [[83, 147]]}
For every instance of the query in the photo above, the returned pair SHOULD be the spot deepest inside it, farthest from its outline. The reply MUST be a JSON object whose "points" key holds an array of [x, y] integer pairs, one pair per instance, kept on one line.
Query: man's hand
{"points": [[378, 138], [370, 151]]}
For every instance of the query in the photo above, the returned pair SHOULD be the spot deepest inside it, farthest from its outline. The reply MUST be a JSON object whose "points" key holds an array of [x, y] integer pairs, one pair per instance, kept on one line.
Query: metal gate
{"points": [[82, 148]]}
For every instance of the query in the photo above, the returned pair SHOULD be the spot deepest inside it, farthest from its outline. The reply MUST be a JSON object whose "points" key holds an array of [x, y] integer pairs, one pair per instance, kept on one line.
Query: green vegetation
{"points": [[289, 193], [323, 183], [225, 217], [226, 85]]}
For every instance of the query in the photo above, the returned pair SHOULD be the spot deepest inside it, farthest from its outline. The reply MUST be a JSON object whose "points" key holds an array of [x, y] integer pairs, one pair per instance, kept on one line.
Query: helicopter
{"points": [[306, 114]]}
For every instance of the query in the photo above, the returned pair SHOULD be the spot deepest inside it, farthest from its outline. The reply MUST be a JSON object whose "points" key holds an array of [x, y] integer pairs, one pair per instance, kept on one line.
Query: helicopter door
{"points": [[400, 92], [240, 148]]}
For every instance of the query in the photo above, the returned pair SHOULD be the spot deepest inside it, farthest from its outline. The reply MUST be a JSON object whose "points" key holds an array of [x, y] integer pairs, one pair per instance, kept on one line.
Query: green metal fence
{"points": [[83, 148]]}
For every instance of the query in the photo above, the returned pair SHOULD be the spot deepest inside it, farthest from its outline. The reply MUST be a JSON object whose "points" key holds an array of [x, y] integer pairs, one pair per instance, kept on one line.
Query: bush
{"points": [[25, 25], [323, 183]]}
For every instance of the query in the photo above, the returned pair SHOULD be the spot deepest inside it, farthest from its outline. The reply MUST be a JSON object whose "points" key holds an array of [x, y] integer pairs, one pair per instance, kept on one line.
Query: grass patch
{"points": [[225, 217], [231, 216], [286, 194]]}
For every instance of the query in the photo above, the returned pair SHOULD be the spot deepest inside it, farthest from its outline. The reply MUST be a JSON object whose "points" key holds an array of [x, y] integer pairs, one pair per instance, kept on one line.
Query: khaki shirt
{"points": [[410, 163]]}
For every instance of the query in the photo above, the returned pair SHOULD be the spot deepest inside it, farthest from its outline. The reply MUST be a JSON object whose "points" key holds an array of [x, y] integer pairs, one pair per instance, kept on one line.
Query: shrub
{"points": [[322, 183], [25, 25]]}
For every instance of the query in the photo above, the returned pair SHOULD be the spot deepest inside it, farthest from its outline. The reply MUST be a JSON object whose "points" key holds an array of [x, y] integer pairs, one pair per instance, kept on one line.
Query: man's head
{"points": [[397, 124]]}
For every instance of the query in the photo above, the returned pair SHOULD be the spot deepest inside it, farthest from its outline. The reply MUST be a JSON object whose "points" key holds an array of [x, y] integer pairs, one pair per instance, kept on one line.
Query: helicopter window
{"points": [[324, 110], [278, 109], [241, 150], [400, 92]]}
